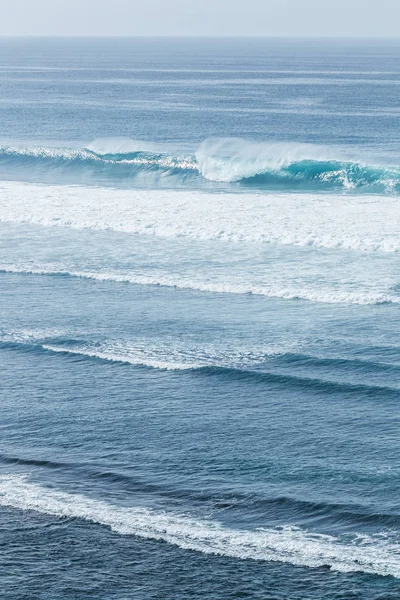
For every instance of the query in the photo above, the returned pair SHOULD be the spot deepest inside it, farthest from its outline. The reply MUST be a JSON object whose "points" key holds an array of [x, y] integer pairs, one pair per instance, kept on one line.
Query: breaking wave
{"points": [[377, 554], [260, 364], [233, 162], [168, 355]]}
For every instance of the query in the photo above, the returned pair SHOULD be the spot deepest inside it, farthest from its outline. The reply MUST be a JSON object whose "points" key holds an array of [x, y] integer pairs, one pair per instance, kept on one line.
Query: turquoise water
{"points": [[199, 319]]}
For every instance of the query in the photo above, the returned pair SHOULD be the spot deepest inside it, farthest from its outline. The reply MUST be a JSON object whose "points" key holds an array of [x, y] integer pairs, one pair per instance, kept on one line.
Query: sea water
{"points": [[199, 319]]}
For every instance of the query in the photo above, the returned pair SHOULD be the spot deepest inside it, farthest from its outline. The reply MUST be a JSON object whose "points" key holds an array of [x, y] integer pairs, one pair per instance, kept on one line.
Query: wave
{"points": [[361, 223], [233, 502], [223, 362], [378, 554], [32, 462], [111, 355], [291, 165], [276, 507], [165, 355], [85, 165], [268, 165], [326, 296]]}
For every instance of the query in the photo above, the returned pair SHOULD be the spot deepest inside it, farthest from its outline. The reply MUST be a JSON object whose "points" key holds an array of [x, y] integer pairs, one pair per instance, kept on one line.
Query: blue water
{"points": [[199, 319]]}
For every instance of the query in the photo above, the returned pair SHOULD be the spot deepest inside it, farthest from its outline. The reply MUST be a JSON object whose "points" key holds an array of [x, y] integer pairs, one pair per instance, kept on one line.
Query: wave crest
{"points": [[220, 161], [377, 555], [273, 164]]}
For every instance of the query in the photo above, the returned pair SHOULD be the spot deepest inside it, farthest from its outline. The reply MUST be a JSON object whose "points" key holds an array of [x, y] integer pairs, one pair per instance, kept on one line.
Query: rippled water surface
{"points": [[199, 319]]}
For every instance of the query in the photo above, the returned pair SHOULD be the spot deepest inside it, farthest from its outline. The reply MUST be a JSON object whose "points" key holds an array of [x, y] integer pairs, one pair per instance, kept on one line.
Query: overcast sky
{"points": [[201, 17]]}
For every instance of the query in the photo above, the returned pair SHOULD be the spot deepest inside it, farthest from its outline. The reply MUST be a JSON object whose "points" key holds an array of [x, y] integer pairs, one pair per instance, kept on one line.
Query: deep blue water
{"points": [[199, 319]]}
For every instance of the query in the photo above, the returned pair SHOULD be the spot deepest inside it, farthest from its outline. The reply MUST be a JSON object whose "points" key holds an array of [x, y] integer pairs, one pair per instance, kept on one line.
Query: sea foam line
{"points": [[325, 296], [288, 544]]}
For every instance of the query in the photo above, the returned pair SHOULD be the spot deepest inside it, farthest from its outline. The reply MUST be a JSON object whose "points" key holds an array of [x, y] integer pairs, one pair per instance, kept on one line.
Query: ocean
{"points": [[199, 319]]}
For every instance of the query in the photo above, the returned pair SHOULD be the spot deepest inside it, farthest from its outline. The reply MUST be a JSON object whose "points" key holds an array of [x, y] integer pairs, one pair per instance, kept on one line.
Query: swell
{"points": [[377, 555], [256, 373], [32, 462], [325, 296], [230, 501], [274, 172], [90, 473], [311, 384], [114, 165], [143, 169]]}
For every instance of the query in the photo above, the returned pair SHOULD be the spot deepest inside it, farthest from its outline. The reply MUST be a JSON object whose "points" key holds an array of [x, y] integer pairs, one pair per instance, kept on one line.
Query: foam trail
{"points": [[326, 296], [366, 223], [375, 555]]}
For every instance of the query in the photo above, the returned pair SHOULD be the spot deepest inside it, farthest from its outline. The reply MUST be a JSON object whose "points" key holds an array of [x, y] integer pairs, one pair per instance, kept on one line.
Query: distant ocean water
{"points": [[199, 319]]}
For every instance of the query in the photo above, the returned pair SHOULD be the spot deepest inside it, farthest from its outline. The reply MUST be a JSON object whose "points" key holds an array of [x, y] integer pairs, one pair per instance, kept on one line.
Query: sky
{"points": [[308, 18]]}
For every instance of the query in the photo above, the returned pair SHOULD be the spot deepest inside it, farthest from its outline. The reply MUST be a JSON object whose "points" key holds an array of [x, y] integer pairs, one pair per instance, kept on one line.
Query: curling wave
{"points": [[228, 161]]}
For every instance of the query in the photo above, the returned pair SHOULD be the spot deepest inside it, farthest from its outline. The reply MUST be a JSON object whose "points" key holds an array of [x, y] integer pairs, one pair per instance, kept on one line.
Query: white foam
{"points": [[377, 555], [126, 357], [171, 355], [166, 353], [367, 223]]}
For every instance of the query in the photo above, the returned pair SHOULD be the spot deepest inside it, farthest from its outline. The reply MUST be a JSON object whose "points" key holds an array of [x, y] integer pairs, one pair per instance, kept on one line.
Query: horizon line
{"points": [[203, 36]]}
